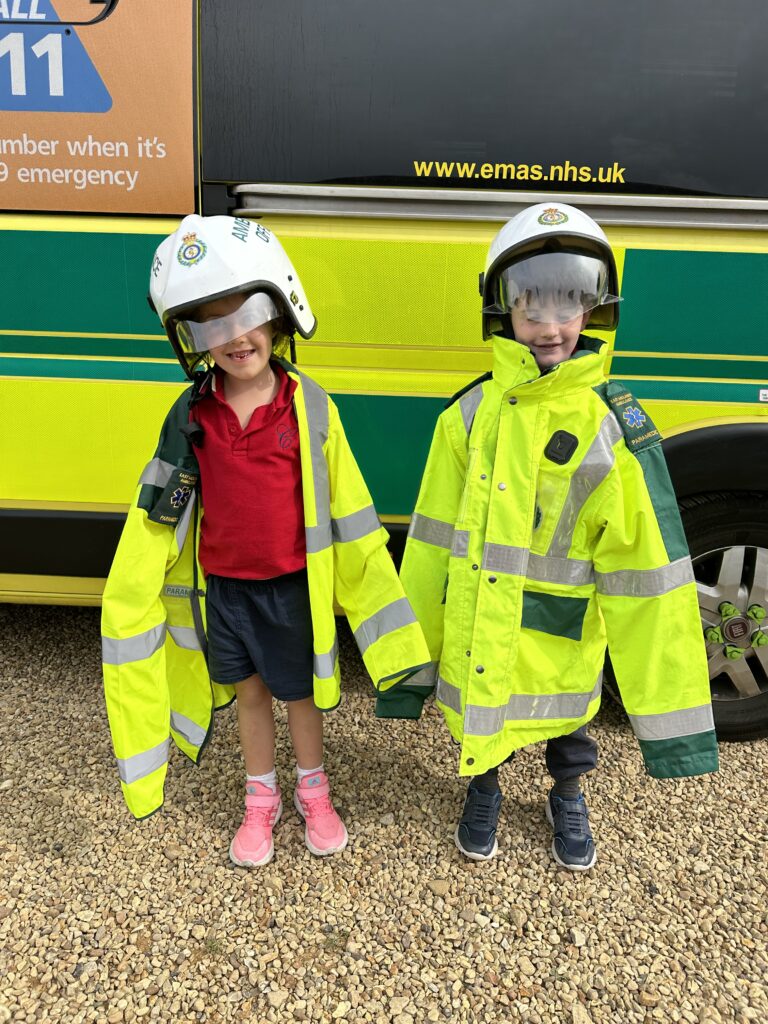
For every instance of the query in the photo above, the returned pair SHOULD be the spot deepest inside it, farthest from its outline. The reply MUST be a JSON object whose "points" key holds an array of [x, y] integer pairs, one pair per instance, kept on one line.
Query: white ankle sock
{"points": [[302, 773], [270, 779]]}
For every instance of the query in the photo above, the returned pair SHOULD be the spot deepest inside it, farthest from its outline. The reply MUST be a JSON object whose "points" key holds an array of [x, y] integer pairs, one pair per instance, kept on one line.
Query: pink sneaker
{"points": [[252, 845], [325, 832]]}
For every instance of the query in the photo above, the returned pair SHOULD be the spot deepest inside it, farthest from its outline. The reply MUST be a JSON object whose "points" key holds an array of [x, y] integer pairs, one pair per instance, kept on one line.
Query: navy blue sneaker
{"points": [[572, 846], [476, 832]]}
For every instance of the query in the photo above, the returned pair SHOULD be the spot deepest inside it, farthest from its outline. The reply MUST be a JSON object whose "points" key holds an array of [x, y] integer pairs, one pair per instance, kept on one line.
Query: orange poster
{"points": [[97, 117]]}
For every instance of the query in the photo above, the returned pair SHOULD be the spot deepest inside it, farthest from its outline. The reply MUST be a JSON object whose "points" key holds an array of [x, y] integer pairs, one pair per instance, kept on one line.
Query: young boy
{"points": [[546, 526]]}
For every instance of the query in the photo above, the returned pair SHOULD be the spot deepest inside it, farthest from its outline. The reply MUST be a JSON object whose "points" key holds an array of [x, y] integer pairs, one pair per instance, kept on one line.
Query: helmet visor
{"points": [[553, 287], [196, 336]]}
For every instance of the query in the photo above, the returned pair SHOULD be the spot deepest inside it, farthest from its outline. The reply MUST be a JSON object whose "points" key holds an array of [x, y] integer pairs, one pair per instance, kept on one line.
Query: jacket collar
{"points": [[514, 366]]}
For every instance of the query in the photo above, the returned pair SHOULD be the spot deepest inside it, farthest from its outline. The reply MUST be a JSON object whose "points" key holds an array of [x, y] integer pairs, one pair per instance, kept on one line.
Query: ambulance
{"points": [[385, 144]]}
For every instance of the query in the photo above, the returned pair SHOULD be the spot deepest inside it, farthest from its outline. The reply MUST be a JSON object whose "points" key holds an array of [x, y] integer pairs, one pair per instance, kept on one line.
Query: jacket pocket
{"points": [[554, 614]]}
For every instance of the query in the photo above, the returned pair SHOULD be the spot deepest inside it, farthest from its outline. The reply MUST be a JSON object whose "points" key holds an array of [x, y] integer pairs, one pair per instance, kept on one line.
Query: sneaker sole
{"points": [[470, 854], [267, 856], [310, 845], [553, 849]]}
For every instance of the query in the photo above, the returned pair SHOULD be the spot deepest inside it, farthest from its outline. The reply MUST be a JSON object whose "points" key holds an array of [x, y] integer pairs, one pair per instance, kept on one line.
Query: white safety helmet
{"points": [[552, 258], [207, 258]]}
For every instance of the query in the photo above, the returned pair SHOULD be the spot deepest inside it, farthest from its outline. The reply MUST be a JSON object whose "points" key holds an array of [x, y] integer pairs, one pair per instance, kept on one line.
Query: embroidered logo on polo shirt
{"points": [[287, 436]]}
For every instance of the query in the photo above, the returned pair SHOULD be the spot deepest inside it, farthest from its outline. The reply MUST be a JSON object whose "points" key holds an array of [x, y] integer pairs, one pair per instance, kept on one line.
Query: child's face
{"points": [[245, 357], [550, 338]]}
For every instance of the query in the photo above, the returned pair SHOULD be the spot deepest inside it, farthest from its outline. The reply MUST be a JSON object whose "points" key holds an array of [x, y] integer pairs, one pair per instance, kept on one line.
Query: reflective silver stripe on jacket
{"points": [[191, 731], [505, 558], [132, 648], [157, 473], [518, 561], [186, 637], [182, 528], [594, 468], [356, 525], [389, 618], [460, 545], [448, 694], [574, 572], [131, 769], [425, 678], [670, 724], [532, 707], [320, 536], [431, 531], [324, 665], [646, 582], [469, 404]]}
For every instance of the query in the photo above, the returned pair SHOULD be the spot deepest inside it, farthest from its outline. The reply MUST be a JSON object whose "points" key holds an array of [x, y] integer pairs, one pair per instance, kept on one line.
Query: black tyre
{"points": [[728, 539]]}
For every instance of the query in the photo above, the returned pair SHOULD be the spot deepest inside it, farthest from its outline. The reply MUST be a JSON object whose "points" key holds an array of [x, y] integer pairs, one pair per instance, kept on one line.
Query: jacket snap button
{"points": [[483, 476], [513, 401], [502, 487], [479, 670], [475, 566], [491, 579], [470, 760], [468, 653]]}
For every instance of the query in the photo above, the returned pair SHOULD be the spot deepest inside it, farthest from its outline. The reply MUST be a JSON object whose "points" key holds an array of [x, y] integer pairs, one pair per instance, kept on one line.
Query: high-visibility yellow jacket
{"points": [[156, 681], [547, 525]]}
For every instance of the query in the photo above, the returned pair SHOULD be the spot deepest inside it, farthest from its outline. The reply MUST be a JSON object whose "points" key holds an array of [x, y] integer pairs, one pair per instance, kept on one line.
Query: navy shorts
{"points": [[264, 627]]}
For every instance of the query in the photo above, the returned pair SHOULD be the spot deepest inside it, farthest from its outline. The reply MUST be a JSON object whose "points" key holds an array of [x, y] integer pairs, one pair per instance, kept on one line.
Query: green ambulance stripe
{"points": [[92, 369], [649, 366], [688, 301], [107, 348]]}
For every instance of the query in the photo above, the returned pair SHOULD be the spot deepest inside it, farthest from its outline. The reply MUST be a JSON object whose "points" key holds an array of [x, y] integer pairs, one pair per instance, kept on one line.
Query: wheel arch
{"points": [[718, 457]]}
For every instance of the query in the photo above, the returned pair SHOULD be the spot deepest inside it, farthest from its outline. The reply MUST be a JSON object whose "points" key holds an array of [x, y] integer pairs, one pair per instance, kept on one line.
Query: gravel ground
{"points": [[103, 919]]}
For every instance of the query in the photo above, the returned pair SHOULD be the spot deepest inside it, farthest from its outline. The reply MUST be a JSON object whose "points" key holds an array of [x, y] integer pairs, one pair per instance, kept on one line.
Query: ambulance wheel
{"points": [[728, 540]]}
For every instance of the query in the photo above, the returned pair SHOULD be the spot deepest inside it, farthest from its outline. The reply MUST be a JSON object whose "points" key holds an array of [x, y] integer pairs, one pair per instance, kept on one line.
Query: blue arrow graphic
{"points": [[47, 68]]}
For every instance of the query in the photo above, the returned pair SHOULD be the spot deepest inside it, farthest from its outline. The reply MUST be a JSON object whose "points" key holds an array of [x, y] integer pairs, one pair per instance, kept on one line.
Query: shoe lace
{"points": [[260, 815], [483, 810], [317, 806]]}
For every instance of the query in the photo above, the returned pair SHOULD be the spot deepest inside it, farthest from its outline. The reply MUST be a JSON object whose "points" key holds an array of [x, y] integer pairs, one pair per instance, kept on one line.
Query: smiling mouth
{"points": [[242, 354]]}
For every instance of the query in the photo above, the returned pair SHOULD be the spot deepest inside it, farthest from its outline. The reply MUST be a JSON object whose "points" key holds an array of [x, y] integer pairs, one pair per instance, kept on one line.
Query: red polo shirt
{"points": [[253, 524]]}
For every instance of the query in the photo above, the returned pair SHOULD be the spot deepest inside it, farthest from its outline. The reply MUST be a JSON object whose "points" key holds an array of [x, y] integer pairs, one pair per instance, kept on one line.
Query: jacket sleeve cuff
{"points": [[682, 756], [399, 703]]}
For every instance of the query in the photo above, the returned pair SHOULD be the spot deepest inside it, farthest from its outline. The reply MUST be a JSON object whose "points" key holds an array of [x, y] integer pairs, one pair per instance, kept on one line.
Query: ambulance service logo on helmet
{"points": [[552, 216], [191, 251]]}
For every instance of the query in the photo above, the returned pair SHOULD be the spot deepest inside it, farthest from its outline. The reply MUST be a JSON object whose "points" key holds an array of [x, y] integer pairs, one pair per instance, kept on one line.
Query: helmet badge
{"points": [[552, 217], [191, 250]]}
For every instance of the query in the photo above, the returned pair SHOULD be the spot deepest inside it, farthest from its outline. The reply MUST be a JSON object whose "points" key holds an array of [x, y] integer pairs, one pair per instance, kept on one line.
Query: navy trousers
{"points": [[570, 756]]}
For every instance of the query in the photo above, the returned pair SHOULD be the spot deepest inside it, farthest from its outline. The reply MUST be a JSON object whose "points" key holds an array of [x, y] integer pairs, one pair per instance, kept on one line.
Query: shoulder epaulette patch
{"points": [[464, 390], [637, 426], [174, 497]]}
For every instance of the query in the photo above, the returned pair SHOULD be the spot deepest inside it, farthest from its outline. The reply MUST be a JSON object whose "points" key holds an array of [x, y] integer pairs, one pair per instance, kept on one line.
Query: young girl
{"points": [[288, 526]]}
